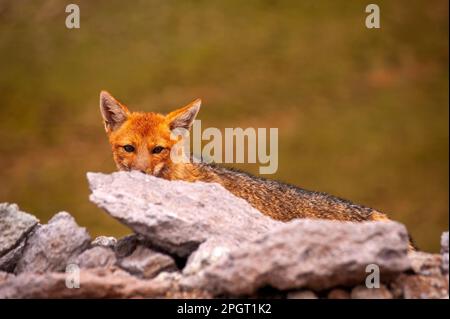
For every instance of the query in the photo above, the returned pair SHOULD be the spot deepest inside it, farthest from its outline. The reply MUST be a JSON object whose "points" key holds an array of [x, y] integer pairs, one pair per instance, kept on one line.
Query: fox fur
{"points": [[141, 141]]}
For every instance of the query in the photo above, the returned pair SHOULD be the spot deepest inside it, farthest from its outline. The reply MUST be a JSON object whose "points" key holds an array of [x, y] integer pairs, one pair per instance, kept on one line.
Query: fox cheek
{"points": [[122, 167], [121, 163], [157, 169]]}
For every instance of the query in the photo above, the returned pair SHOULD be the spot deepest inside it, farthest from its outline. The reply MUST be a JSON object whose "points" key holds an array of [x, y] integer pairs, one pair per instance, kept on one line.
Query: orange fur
{"points": [[145, 131]]}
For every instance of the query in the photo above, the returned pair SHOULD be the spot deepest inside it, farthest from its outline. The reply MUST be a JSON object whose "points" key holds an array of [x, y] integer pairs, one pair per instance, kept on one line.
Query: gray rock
{"points": [[95, 257], [9, 260], [307, 254], [425, 263], [362, 292], [302, 294], [176, 216], [210, 252], [420, 287], [126, 245], [50, 247], [104, 241], [14, 226], [147, 263], [234, 250], [444, 252], [94, 283], [338, 293], [5, 276]]}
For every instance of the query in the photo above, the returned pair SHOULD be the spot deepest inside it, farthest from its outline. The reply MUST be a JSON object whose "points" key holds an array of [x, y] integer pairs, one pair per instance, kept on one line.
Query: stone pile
{"points": [[197, 240]]}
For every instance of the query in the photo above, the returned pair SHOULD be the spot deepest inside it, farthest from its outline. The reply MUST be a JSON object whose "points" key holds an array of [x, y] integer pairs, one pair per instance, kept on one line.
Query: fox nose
{"points": [[142, 171]]}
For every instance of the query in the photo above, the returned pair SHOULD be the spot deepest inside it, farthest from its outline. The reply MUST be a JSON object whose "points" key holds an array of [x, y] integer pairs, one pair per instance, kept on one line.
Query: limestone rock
{"points": [[425, 263], [126, 245], [302, 294], [421, 287], [444, 252], [197, 240], [50, 247], [9, 260], [98, 256], [5, 275], [309, 254], [94, 283], [338, 293], [176, 216], [14, 226], [104, 241], [362, 292], [147, 263]]}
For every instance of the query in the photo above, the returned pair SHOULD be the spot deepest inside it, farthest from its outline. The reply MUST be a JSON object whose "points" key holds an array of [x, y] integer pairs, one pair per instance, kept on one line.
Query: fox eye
{"points": [[128, 148], [157, 149]]}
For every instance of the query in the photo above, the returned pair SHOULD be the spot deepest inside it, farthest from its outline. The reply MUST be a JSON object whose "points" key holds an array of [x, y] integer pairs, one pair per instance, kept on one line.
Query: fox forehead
{"points": [[139, 128]]}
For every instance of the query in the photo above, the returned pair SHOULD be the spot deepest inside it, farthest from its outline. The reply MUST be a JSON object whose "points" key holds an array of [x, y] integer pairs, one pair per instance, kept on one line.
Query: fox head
{"points": [[142, 141]]}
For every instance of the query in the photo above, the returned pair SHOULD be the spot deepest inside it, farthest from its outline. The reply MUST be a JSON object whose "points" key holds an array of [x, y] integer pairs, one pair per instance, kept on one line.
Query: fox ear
{"points": [[184, 117], [113, 112]]}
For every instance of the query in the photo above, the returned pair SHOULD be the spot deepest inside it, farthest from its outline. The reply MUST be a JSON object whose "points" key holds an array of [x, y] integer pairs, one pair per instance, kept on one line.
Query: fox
{"points": [[142, 141]]}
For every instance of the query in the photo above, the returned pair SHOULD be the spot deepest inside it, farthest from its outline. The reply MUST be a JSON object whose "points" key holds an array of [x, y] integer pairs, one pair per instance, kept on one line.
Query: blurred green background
{"points": [[362, 114]]}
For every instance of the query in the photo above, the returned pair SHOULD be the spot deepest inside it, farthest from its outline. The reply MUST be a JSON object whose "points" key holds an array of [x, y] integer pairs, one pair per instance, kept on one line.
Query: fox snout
{"points": [[142, 163]]}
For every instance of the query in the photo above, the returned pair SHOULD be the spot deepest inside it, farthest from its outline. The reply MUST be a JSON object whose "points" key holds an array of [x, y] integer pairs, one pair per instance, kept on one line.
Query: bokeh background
{"points": [[362, 114]]}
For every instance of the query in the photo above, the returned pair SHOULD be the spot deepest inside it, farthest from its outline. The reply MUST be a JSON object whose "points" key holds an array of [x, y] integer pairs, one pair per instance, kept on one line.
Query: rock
{"points": [[104, 241], [126, 245], [421, 287], [338, 294], [50, 247], [362, 292], [424, 263], [308, 254], [196, 240], [95, 257], [176, 216], [444, 252], [14, 226], [302, 294], [9, 260], [210, 252], [147, 263], [94, 283], [5, 276]]}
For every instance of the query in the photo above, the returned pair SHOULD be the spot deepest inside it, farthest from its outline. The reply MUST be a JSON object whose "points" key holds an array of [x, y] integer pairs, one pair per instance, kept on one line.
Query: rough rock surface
{"points": [[146, 263], [424, 263], [338, 293], [96, 257], [196, 240], [9, 260], [302, 294], [420, 287], [50, 247], [104, 241], [308, 254], [176, 216], [362, 292], [5, 275], [126, 245], [210, 252], [14, 226], [444, 252], [94, 283]]}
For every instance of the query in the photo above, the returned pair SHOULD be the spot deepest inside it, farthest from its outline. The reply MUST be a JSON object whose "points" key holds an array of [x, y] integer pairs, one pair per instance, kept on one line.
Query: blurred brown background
{"points": [[362, 114]]}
